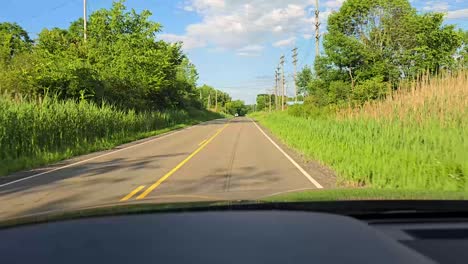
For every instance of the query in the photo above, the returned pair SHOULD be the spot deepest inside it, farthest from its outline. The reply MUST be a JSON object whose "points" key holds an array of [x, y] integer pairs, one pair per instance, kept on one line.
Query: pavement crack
{"points": [[227, 183]]}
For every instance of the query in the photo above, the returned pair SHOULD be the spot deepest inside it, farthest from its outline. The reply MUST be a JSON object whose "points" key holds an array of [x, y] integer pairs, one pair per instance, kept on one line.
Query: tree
{"points": [[262, 102], [236, 107], [304, 77], [122, 62], [372, 45], [13, 40], [462, 53], [388, 38], [208, 98]]}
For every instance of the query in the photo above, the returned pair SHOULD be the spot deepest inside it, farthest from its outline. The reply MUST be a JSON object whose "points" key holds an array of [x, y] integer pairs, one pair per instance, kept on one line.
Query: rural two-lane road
{"points": [[217, 160]]}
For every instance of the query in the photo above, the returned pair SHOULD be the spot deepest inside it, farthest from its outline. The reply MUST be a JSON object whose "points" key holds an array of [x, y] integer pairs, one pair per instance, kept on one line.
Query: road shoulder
{"points": [[324, 175]]}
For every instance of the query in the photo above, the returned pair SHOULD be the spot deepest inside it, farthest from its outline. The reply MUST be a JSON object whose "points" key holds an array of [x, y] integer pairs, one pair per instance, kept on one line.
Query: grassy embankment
{"points": [[414, 140], [38, 133]]}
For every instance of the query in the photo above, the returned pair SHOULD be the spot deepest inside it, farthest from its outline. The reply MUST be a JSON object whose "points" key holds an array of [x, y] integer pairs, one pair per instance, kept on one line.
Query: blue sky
{"points": [[235, 44]]}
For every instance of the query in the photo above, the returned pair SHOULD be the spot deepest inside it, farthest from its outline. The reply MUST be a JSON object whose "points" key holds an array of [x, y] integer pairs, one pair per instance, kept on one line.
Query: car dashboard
{"points": [[241, 236]]}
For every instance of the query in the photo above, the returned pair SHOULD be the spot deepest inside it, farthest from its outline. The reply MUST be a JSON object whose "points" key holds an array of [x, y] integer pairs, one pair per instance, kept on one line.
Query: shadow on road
{"points": [[86, 171]]}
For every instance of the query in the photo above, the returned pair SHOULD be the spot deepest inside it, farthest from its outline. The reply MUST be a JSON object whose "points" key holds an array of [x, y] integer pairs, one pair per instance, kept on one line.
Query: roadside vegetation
{"points": [[366, 194], [38, 133], [386, 105], [413, 139], [61, 95]]}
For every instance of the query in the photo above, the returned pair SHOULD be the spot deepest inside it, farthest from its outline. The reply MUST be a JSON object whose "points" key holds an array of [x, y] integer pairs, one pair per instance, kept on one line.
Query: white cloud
{"points": [[204, 5], [334, 4], [285, 42], [436, 6], [458, 14], [236, 24], [250, 50], [188, 42], [307, 36], [247, 54]]}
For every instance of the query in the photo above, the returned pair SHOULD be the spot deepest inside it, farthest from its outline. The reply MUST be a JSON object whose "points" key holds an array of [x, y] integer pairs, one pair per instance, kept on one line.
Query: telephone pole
{"points": [[277, 100], [85, 18], [294, 56], [283, 92], [276, 87], [317, 29]]}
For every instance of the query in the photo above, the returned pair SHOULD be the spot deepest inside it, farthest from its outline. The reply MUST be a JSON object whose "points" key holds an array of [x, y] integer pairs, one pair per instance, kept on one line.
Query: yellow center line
{"points": [[201, 143], [130, 195], [156, 184]]}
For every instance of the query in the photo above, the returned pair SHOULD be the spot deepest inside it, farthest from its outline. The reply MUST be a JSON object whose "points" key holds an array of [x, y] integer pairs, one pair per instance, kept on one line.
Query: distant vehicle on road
{"points": [[236, 115]]}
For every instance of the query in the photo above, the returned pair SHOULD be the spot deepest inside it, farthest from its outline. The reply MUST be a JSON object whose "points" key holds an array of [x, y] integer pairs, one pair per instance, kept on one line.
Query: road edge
{"points": [[304, 172], [80, 159], [320, 172]]}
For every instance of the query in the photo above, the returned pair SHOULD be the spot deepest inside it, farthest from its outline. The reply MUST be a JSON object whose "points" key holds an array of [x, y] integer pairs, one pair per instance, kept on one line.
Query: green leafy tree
{"points": [[236, 107], [304, 77], [462, 53], [207, 95], [262, 102], [374, 44], [13, 40]]}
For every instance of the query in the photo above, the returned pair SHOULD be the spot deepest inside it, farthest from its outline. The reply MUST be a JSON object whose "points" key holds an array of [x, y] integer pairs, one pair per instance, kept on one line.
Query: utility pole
{"points": [[283, 92], [85, 18], [317, 29], [295, 72], [209, 100], [277, 92]]}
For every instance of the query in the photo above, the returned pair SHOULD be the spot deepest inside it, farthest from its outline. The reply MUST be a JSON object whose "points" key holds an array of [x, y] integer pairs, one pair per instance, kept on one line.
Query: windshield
{"points": [[170, 102]]}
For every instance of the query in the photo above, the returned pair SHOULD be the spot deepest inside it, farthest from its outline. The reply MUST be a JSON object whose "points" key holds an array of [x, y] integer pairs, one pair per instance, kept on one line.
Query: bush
{"points": [[371, 89]]}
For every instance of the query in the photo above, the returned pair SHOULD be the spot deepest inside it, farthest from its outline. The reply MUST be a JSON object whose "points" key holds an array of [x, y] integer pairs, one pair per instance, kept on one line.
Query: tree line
{"points": [[121, 62], [373, 45]]}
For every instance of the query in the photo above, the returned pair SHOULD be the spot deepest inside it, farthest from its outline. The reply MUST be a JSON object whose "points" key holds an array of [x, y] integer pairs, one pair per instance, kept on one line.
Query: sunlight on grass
{"points": [[35, 133], [415, 139], [366, 194]]}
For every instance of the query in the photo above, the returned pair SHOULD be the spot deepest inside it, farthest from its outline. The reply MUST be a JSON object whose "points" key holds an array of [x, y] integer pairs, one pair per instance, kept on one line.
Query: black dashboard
{"points": [[266, 236]]}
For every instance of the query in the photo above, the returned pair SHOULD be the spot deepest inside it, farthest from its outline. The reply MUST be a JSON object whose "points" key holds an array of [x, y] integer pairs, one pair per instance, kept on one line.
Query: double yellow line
{"points": [[176, 168]]}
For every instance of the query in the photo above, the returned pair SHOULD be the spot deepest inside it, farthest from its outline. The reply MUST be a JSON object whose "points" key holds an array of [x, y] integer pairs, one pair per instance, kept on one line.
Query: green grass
{"points": [[34, 134], [392, 154], [366, 194]]}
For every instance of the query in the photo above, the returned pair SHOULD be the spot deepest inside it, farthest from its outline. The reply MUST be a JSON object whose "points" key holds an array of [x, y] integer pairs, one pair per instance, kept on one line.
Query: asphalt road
{"points": [[218, 160]]}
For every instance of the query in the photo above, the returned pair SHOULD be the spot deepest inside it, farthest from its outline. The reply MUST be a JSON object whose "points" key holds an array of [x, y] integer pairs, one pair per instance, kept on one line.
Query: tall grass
{"points": [[33, 133], [415, 139]]}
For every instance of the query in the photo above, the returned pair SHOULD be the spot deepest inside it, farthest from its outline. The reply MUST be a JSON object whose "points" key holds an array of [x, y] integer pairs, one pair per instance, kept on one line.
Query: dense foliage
{"points": [[386, 102], [372, 45], [37, 133], [213, 98], [415, 139], [121, 62], [62, 95], [237, 107]]}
